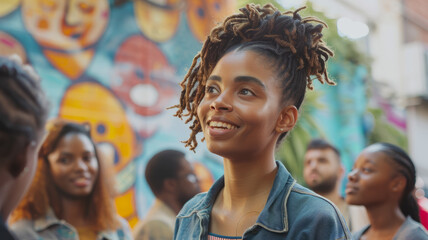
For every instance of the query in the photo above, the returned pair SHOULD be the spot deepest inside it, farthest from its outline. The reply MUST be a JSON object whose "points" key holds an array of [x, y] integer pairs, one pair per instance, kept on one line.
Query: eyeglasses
{"points": [[191, 177]]}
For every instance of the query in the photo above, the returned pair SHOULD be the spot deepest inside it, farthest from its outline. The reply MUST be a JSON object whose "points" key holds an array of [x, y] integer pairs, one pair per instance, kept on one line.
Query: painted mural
{"points": [[117, 68]]}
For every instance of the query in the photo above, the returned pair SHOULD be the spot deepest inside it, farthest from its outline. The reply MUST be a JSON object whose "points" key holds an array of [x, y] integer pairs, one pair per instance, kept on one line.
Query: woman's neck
{"points": [[246, 181], [385, 219], [74, 211]]}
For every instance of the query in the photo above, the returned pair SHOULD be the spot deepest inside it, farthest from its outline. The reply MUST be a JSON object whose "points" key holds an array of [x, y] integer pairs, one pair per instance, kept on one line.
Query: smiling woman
{"points": [[244, 96], [71, 194]]}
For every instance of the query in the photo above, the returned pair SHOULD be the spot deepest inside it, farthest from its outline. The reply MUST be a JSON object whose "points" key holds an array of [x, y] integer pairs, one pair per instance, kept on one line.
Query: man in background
{"points": [[173, 182], [323, 173]]}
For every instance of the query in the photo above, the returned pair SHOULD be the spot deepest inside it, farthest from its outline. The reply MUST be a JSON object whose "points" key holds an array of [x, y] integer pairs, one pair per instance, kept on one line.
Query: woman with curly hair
{"points": [[243, 91], [71, 196]]}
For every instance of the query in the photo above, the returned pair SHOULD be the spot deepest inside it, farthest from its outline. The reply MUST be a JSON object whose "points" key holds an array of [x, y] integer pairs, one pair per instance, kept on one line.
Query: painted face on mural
{"points": [[203, 15], [145, 84], [66, 24], [158, 19]]}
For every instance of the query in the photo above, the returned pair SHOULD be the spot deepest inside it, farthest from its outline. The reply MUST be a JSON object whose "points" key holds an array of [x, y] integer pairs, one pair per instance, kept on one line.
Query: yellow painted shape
{"points": [[71, 65], [7, 6]]}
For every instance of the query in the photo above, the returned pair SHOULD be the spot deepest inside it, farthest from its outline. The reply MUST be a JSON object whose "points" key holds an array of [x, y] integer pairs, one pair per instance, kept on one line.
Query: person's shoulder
{"points": [[192, 205], [300, 195], [315, 214], [412, 230], [24, 229], [154, 229]]}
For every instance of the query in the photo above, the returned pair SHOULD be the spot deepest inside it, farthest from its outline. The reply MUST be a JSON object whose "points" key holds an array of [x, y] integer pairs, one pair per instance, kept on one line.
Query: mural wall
{"points": [[117, 67]]}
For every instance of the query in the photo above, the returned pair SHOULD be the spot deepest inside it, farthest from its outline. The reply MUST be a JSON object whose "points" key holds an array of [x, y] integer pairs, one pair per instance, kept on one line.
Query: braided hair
{"points": [[23, 107], [408, 204], [292, 43]]}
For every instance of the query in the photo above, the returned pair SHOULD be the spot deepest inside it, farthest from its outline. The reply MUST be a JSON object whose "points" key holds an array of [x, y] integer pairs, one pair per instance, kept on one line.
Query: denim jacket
{"points": [[50, 227], [291, 212]]}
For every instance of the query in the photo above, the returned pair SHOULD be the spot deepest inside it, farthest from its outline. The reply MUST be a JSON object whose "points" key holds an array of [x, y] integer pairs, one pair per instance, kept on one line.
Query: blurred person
{"points": [[323, 172], [243, 92], [173, 182], [23, 113], [72, 194], [382, 180]]}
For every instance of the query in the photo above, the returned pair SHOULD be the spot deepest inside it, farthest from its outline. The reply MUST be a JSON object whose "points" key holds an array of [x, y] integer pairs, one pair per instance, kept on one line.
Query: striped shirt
{"points": [[212, 236]]}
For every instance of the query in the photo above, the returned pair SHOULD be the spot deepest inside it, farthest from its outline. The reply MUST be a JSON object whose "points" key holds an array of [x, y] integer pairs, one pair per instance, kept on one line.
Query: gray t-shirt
{"points": [[410, 229]]}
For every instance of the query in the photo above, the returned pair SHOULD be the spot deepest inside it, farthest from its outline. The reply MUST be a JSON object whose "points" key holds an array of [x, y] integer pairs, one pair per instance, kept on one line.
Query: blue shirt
{"points": [[291, 212]]}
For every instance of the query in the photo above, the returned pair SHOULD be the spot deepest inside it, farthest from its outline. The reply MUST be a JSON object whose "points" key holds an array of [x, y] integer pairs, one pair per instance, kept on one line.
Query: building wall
{"points": [[415, 29]]}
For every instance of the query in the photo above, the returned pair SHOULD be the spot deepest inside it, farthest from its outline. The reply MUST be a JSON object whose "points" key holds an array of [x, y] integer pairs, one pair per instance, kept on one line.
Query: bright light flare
{"points": [[352, 29]]}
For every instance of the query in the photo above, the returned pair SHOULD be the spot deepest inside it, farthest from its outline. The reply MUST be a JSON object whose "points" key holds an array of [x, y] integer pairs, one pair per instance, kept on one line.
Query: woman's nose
{"points": [[81, 165], [221, 103], [352, 175]]}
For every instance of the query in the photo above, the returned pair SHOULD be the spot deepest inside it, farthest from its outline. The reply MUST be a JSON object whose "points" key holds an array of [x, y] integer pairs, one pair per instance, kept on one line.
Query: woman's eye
{"points": [[367, 170], [246, 92], [210, 89], [64, 160]]}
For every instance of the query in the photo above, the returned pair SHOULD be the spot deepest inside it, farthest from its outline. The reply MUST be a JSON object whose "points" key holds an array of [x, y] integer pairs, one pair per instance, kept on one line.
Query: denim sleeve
{"points": [[316, 218]]}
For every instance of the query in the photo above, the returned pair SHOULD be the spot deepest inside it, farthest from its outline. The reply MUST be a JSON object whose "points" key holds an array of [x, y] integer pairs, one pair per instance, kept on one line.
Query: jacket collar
{"points": [[50, 219], [270, 218]]}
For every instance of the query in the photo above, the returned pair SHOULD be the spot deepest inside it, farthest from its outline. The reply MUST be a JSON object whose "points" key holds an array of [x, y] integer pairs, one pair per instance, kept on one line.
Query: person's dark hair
{"points": [[319, 143], [42, 195], [408, 204], [23, 107], [161, 166], [291, 43]]}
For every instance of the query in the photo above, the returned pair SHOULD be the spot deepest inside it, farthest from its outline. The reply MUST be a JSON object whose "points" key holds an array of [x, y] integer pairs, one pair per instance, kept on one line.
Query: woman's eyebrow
{"points": [[250, 79], [214, 78], [240, 79]]}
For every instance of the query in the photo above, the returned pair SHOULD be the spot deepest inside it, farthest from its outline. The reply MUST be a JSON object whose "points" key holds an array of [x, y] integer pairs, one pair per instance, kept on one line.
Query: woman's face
{"points": [[371, 180], [74, 166], [239, 111]]}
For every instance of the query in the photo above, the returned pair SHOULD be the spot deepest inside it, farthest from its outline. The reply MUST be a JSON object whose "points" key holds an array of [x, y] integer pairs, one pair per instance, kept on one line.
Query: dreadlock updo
{"points": [[292, 43]]}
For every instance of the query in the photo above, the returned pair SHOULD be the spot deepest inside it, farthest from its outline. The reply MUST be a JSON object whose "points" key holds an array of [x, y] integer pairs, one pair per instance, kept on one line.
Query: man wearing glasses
{"points": [[173, 182]]}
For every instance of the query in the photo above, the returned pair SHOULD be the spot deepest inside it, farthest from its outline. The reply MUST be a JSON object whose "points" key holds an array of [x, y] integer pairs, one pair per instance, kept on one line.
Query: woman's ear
{"points": [[398, 183], [287, 119]]}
